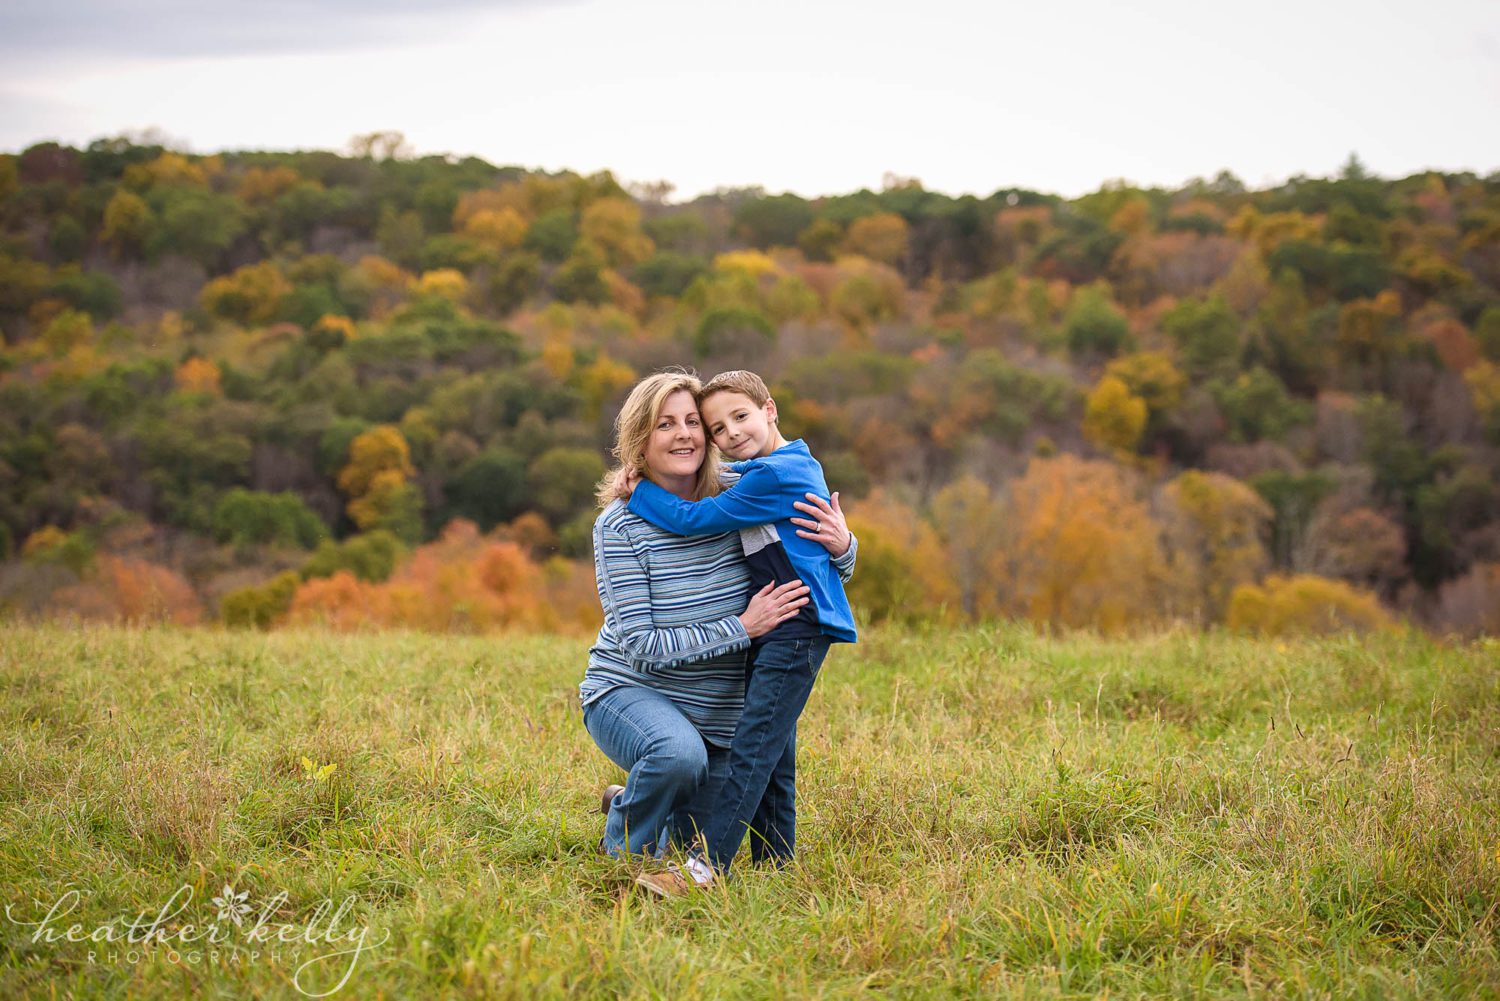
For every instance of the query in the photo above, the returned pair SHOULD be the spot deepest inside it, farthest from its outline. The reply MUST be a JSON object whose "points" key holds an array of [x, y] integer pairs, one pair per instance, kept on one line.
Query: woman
{"points": [[666, 676]]}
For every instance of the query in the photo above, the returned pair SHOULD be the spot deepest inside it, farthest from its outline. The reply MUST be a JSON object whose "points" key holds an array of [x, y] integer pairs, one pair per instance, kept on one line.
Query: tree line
{"points": [[266, 387]]}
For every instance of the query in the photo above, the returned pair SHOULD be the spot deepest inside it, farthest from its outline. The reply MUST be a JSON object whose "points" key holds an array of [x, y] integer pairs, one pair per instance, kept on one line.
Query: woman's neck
{"points": [[685, 487]]}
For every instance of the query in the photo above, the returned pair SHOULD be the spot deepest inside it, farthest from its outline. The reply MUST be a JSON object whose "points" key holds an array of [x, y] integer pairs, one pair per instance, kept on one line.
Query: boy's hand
{"points": [[632, 479], [827, 526]]}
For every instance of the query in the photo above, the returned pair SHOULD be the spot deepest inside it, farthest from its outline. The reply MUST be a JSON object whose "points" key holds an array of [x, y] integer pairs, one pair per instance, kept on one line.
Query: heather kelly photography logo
{"points": [[234, 928]]}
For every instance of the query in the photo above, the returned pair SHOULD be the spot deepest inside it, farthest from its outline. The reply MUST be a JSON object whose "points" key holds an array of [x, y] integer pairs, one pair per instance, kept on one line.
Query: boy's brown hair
{"points": [[738, 381]]}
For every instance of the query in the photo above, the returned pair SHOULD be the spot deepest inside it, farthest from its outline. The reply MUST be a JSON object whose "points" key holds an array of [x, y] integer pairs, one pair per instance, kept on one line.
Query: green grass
{"points": [[982, 812]]}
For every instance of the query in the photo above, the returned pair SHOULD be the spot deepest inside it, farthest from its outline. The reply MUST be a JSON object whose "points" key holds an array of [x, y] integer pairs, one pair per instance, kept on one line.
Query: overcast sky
{"points": [[816, 98]]}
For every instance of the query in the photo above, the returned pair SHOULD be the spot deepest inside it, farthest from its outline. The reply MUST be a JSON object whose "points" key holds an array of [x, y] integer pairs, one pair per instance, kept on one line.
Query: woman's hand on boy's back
{"points": [[771, 606], [827, 525]]}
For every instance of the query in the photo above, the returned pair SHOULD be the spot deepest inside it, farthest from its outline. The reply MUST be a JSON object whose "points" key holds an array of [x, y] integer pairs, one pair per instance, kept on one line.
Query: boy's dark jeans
{"points": [[759, 794]]}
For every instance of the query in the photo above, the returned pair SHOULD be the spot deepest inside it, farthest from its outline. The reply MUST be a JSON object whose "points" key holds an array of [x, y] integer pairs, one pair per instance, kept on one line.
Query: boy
{"points": [[759, 793]]}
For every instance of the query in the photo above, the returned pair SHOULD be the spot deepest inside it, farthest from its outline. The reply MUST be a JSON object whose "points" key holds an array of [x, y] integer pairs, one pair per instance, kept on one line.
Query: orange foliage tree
{"points": [[461, 582], [902, 571], [198, 375], [130, 591], [1079, 547]]}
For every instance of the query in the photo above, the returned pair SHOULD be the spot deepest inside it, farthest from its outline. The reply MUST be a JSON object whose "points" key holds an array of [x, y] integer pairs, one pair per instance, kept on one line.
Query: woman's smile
{"points": [[676, 447]]}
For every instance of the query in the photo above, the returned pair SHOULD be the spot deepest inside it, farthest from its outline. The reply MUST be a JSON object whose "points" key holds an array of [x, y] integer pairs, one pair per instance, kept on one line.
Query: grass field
{"points": [[982, 812]]}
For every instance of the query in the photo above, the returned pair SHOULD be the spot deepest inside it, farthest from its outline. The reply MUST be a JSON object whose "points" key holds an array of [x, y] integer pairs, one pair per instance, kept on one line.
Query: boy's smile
{"points": [[739, 428]]}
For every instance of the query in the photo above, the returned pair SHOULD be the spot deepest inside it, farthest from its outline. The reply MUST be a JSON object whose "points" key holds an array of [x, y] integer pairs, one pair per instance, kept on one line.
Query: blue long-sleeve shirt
{"points": [[764, 495]]}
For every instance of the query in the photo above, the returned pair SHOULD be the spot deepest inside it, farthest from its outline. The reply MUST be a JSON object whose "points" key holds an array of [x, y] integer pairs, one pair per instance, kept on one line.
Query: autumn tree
{"points": [[902, 564], [1215, 530], [128, 223], [1080, 547], [1305, 603], [250, 295], [1361, 546], [614, 226], [376, 482], [1114, 417], [881, 237], [198, 375], [968, 518]]}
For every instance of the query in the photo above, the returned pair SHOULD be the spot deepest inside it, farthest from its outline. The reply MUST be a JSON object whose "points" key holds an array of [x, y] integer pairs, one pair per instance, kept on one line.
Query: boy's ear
{"points": [[771, 410]]}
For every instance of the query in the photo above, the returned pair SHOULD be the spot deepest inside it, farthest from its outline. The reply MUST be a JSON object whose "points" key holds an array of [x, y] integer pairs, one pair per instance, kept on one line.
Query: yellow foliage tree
{"points": [[449, 283], [390, 503], [1151, 376], [881, 237], [1113, 417], [1215, 528], [251, 294], [169, 168], [502, 228], [260, 185], [69, 330], [379, 450], [472, 203], [127, 221], [1270, 230], [1369, 327], [375, 481], [1132, 218], [614, 226], [1483, 380], [749, 262], [1305, 603], [332, 323], [602, 380], [198, 375], [1079, 547]]}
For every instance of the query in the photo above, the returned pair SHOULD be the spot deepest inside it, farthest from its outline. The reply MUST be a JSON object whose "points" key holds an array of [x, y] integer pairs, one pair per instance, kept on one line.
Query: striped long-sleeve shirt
{"points": [[671, 619]]}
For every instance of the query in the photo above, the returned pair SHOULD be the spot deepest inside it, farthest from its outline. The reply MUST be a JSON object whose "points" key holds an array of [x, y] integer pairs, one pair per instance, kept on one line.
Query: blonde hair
{"points": [[737, 381], [633, 429]]}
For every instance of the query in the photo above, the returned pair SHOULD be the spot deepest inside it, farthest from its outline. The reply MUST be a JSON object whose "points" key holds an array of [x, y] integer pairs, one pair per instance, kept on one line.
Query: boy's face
{"points": [[741, 429]]}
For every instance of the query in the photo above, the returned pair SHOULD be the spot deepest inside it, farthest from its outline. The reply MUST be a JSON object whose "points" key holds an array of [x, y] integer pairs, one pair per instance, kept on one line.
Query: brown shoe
{"points": [[666, 884], [610, 792]]}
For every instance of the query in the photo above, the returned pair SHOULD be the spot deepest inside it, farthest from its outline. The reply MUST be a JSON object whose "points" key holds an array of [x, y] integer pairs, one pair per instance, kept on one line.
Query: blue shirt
{"points": [[764, 495]]}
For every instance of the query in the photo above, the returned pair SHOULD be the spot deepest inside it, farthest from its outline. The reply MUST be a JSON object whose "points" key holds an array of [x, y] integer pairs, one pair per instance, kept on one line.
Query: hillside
{"points": [[303, 387]]}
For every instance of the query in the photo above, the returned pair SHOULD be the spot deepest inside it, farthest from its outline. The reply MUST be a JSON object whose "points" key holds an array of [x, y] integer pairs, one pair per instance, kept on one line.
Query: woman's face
{"points": [[676, 446]]}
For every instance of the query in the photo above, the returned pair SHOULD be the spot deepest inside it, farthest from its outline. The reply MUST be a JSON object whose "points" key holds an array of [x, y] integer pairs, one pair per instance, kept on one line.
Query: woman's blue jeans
{"points": [[674, 774]]}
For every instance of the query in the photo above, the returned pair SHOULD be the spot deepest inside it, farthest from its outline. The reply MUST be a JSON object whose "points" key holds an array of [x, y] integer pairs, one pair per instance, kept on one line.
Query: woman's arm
{"points": [[826, 526], [625, 594]]}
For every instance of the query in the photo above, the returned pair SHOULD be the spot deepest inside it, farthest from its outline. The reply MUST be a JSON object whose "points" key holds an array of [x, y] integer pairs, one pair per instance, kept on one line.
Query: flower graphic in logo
{"points": [[232, 905]]}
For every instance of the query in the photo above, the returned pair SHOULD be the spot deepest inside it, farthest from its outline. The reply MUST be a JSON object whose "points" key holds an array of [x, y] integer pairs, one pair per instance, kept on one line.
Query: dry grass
{"points": [[982, 812]]}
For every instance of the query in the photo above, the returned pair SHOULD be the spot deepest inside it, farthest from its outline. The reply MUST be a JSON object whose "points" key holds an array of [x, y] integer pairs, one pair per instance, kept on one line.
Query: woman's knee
{"points": [[681, 760]]}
